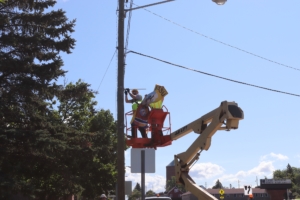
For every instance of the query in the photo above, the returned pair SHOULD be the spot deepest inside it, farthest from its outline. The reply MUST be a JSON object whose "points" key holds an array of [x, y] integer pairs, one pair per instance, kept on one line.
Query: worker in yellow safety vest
{"points": [[155, 105], [136, 100]]}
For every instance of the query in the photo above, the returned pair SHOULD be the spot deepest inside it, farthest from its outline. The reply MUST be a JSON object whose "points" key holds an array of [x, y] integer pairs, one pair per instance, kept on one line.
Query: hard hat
{"points": [[138, 97], [135, 90], [103, 196]]}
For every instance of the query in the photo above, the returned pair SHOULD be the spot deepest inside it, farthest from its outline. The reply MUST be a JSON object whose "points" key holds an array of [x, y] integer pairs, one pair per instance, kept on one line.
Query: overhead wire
{"points": [[216, 76], [117, 57], [128, 25], [106, 70], [218, 41], [117, 13]]}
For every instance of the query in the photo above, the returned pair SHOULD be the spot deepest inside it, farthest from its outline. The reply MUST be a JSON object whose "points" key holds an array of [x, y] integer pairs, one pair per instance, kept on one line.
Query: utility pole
{"points": [[120, 99], [120, 95], [120, 106]]}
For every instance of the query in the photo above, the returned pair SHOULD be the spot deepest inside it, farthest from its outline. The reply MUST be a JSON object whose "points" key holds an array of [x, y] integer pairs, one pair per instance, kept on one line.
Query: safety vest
{"points": [[156, 105], [141, 116], [134, 106]]}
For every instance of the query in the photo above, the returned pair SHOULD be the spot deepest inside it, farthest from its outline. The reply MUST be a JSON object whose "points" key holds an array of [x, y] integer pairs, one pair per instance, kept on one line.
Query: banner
{"points": [[156, 96]]}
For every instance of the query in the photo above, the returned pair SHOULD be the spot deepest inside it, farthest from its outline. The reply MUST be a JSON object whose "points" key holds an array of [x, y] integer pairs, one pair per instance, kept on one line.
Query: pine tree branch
{"points": [[9, 4]]}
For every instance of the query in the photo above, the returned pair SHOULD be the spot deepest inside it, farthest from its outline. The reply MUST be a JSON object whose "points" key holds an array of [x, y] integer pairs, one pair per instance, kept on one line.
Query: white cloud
{"points": [[208, 173], [265, 168], [274, 157], [152, 182], [205, 170]]}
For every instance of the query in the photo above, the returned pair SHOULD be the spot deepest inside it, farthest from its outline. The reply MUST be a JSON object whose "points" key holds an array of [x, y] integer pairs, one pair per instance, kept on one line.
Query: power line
{"points": [[218, 41], [220, 77], [107, 69], [128, 26]]}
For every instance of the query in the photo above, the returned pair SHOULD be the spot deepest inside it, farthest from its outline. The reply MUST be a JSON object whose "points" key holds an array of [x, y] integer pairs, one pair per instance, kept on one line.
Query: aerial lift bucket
{"points": [[156, 130]]}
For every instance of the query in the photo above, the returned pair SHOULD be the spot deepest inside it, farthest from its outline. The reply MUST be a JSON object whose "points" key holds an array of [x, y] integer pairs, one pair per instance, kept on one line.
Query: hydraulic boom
{"points": [[225, 117]]}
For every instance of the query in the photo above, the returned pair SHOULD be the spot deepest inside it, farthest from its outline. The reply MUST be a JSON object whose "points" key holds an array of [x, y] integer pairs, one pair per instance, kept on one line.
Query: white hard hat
{"points": [[103, 196]]}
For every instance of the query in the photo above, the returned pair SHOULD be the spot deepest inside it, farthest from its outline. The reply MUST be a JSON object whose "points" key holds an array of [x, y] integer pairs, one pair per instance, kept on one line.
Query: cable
{"points": [[128, 25], [261, 57], [106, 69], [227, 79]]}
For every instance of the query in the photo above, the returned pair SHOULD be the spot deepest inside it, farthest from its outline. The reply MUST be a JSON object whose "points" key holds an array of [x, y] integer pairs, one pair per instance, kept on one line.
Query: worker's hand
{"points": [[126, 92]]}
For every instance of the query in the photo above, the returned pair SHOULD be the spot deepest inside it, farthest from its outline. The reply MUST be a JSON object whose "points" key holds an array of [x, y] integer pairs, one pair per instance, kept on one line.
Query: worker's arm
{"points": [[134, 97], [127, 100]]}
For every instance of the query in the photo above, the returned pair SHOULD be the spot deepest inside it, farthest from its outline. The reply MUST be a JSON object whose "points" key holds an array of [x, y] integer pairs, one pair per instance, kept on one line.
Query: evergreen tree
{"points": [[290, 172], [137, 187], [218, 185], [31, 135], [48, 152]]}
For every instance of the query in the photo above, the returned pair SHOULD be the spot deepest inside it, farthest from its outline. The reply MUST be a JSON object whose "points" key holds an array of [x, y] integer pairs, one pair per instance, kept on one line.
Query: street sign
{"points": [[136, 166], [247, 189], [221, 192], [221, 197]]}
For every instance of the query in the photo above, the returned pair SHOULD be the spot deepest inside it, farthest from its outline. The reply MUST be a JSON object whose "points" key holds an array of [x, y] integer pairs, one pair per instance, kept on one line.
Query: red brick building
{"points": [[170, 171]]}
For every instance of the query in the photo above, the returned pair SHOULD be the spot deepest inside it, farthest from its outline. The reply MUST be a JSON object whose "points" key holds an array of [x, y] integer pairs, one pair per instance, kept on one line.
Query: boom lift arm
{"points": [[225, 117]]}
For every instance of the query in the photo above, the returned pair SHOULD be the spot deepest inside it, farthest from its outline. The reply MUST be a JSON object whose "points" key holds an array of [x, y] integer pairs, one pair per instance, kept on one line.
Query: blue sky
{"points": [[254, 42]]}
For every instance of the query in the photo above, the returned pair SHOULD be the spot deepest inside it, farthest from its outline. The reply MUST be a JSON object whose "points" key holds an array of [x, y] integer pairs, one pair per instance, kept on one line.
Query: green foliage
{"points": [[218, 185], [150, 193], [137, 187], [100, 169], [293, 174], [172, 183], [52, 141], [30, 135], [76, 105], [136, 194]]}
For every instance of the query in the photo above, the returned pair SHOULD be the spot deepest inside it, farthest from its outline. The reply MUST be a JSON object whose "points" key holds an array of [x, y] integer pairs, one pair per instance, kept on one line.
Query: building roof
{"points": [[235, 191], [171, 164], [232, 191]]}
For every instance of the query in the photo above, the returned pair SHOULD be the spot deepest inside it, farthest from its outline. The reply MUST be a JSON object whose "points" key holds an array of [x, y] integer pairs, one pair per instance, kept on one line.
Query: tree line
{"points": [[292, 173], [53, 141]]}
